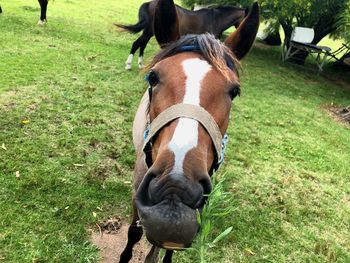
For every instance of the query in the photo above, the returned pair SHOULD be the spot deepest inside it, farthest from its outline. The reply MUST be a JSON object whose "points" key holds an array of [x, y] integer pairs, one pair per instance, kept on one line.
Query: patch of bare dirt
{"points": [[340, 114], [111, 238]]}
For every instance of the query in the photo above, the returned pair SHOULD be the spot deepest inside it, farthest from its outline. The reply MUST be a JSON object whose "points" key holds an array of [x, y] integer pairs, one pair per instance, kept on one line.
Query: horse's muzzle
{"points": [[168, 210], [170, 225]]}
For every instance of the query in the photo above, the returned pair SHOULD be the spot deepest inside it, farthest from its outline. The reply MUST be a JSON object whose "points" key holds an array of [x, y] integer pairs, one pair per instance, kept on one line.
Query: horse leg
{"points": [[144, 41], [152, 256], [135, 46], [168, 256], [134, 235], [0, 9], [43, 7]]}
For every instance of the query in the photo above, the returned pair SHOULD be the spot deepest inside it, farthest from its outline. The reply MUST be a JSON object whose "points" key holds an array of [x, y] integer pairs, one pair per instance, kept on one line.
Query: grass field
{"points": [[66, 157]]}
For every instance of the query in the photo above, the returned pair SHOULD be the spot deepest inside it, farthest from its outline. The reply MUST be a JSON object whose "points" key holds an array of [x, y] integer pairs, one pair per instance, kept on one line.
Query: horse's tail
{"points": [[144, 20]]}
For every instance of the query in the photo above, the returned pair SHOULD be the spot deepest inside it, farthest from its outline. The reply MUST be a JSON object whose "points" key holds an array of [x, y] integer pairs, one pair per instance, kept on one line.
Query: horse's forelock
{"points": [[215, 52]]}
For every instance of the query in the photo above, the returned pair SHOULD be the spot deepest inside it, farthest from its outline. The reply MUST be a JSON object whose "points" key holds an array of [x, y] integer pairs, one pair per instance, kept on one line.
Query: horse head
{"points": [[192, 83]]}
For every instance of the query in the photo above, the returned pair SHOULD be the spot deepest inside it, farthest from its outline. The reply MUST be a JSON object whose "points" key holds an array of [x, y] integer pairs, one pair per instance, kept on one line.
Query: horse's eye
{"points": [[152, 78], [234, 91]]}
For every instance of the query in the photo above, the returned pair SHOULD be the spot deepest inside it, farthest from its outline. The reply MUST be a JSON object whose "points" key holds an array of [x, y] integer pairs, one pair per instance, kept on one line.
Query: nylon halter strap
{"points": [[185, 111]]}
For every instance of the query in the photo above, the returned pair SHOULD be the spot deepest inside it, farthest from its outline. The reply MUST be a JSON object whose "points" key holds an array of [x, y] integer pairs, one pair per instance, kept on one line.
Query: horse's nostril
{"points": [[142, 193], [206, 189], [206, 185]]}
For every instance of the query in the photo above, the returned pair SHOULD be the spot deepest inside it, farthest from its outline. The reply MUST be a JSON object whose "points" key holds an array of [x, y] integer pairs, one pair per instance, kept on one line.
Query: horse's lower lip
{"points": [[172, 246], [169, 224]]}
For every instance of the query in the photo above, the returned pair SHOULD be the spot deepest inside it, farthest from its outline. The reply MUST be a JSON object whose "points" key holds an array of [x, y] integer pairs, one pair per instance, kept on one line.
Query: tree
{"points": [[324, 16], [344, 32]]}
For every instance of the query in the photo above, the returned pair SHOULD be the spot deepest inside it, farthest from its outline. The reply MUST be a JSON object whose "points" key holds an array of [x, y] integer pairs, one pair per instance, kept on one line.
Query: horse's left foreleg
{"points": [[135, 46], [168, 256], [43, 6], [146, 36], [134, 235]]}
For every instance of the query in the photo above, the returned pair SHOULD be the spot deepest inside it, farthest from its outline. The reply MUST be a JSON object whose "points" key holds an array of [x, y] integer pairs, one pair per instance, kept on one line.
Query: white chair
{"points": [[300, 42]]}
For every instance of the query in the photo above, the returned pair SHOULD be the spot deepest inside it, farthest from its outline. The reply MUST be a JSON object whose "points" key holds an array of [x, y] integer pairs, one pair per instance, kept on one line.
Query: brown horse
{"points": [[179, 130], [207, 20], [43, 8]]}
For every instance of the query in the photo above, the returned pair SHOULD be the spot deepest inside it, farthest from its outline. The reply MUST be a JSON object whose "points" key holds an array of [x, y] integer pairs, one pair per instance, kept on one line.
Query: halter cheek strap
{"points": [[186, 111]]}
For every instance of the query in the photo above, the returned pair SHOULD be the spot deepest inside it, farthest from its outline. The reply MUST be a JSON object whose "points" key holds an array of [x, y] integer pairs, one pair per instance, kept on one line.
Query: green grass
{"points": [[66, 110]]}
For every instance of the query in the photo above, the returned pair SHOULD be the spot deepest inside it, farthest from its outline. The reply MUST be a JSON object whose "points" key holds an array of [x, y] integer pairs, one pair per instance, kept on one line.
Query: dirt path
{"points": [[340, 114], [112, 243]]}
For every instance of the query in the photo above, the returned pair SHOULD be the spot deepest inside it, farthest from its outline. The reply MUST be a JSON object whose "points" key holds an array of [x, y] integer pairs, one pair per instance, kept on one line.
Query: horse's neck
{"points": [[225, 18], [212, 18]]}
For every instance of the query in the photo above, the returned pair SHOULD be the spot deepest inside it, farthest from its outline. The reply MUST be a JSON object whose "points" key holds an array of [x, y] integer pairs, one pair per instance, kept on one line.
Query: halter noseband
{"points": [[182, 110]]}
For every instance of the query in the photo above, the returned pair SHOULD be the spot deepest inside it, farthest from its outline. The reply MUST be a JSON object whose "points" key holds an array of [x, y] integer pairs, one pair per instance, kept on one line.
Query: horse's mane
{"points": [[215, 52]]}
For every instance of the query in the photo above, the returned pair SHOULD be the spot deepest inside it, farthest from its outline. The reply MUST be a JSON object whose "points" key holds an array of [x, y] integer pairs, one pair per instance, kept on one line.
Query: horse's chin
{"points": [[169, 224]]}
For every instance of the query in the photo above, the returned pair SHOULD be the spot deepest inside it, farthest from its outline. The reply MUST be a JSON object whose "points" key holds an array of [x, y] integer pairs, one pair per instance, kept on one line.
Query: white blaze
{"points": [[185, 136]]}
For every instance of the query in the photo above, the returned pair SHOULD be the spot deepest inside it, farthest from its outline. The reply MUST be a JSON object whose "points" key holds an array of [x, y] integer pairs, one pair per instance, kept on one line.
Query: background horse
{"points": [[179, 129], [43, 8], [207, 20]]}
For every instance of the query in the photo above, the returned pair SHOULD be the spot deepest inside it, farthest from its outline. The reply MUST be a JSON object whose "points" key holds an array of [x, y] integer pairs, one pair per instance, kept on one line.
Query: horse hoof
{"points": [[128, 66], [141, 66], [41, 22]]}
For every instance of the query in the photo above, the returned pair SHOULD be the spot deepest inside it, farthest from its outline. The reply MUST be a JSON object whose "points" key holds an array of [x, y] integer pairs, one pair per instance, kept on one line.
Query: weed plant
{"points": [[215, 210]]}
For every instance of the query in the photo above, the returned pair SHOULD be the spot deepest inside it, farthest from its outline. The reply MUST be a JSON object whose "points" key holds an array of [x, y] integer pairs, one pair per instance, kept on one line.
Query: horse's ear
{"points": [[243, 38], [166, 23]]}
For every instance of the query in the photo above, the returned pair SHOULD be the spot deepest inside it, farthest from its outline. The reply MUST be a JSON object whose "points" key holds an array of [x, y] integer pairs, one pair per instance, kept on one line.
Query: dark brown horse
{"points": [[180, 129], [43, 8], [207, 20]]}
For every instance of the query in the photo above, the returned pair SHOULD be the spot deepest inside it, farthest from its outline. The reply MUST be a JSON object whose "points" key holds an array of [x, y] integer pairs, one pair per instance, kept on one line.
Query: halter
{"points": [[190, 111]]}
